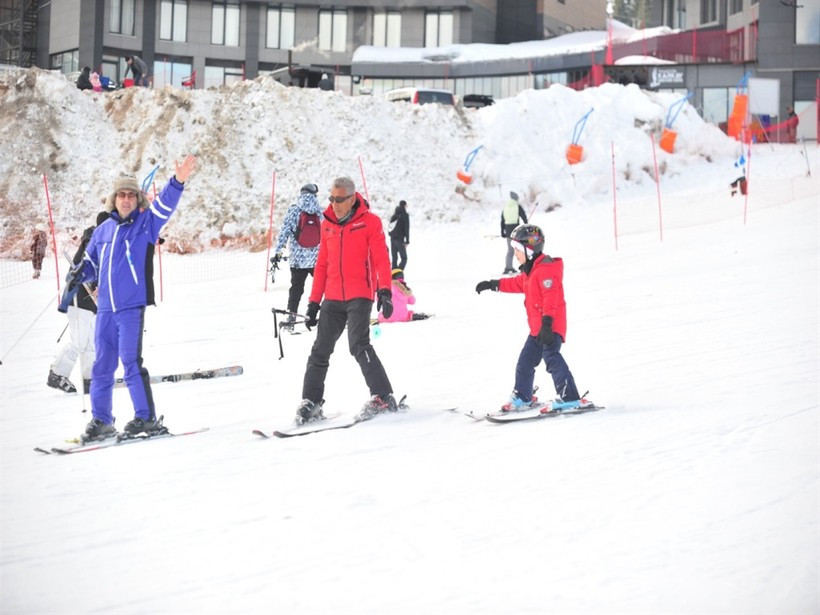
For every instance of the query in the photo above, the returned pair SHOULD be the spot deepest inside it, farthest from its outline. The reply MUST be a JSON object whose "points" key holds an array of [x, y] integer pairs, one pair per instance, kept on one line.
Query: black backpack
{"points": [[308, 230]]}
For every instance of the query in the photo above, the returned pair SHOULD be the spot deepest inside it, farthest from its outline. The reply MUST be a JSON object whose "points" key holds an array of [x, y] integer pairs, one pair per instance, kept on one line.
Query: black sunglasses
{"points": [[339, 199]]}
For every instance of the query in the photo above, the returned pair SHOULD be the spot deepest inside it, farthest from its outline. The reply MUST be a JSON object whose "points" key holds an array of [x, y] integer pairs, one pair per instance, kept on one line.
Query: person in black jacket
{"points": [[84, 80], [81, 317], [399, 229]]}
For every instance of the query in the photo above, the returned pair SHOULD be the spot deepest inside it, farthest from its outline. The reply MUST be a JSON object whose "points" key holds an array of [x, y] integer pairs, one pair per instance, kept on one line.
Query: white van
{"points": [[421, 96]]}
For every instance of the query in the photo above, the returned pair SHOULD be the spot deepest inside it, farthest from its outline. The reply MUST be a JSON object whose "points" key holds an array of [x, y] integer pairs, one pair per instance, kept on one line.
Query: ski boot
{"points": [[150, 427], [60, 382], [309, 411], [378, 405], [516, 404], [289, 324], [97, 430]]}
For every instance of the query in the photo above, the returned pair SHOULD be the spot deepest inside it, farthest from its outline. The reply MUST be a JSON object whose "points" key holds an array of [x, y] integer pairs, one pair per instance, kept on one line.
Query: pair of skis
{"points": [[116, 439], [329, 422], [340, 421], [544, 411]]}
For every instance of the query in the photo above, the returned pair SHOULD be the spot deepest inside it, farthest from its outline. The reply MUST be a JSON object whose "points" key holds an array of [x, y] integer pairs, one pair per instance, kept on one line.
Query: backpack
{"points": [[308, 230]]}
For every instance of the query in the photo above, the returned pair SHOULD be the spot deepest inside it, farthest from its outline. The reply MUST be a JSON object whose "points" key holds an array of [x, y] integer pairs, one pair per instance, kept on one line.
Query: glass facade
{"points": [[281, 28], [171, 71], [173, 20], [121, 17]]}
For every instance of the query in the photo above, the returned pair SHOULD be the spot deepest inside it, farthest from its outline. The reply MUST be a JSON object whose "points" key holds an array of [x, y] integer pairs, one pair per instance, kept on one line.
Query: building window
{"points": [[807, 23], [708, 11], [387, 29], [225, 24], [438, 29], [333, 30], [716, 103], [111, 67], [121, 18], [171, 72], [222, 75], [66, 62], [281, 28], [173, 20], [735, 6]]}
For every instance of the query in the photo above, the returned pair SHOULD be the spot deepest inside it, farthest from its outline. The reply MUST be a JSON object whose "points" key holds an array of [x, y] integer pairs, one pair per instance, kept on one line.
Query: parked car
{"points": [[421, 96], [476, 101]]}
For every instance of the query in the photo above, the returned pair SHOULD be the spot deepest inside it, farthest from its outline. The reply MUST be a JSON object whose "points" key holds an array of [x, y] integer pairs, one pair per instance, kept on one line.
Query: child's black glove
{"points": [[385, 302], [545, 335], [312, 315], [486, 285]]}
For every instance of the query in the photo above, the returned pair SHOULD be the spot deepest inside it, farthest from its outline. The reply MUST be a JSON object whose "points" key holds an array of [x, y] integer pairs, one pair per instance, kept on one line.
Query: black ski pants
{"points": [[297, 287], [333, 317], [398, 253]]}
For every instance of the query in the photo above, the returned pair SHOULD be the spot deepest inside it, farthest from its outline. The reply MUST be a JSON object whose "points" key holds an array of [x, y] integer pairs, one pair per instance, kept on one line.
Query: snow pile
{"points": [[246, 132]]}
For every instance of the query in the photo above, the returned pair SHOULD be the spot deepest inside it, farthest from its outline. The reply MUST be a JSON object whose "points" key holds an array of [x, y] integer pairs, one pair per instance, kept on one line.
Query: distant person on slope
{"points": [[118, 258], [511, 216], [353, 266], [399, 230], [792, 121], [84, 80], [303, 233], [541, 281], [39, 245], [138, 68]]}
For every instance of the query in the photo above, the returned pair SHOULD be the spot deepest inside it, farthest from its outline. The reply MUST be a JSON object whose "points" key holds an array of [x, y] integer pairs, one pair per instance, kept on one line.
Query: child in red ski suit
{"points": [[541, 282]]}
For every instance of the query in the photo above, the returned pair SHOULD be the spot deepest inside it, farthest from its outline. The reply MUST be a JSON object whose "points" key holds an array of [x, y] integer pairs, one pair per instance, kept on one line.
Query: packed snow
{"points": [[694, 317]]}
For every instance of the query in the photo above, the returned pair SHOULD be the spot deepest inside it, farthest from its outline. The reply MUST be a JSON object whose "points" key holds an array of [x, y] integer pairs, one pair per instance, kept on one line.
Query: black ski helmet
{"points": [[530, 237]]}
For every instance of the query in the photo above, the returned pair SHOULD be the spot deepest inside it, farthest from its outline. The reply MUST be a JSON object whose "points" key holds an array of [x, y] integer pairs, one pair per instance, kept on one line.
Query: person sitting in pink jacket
{"points": [[402, 297]]}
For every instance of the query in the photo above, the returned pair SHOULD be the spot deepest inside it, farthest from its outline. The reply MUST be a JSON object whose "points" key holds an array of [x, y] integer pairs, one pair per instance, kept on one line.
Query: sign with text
{"points": [[666, 77]]}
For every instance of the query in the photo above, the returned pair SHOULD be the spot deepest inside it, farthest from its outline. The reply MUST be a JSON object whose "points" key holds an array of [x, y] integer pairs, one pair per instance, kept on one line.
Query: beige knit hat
{"points": [[126, 182]]}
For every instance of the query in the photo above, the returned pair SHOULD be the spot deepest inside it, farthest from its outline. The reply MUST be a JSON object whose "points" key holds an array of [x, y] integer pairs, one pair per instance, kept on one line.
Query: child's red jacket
{"points": [[543, 290]]}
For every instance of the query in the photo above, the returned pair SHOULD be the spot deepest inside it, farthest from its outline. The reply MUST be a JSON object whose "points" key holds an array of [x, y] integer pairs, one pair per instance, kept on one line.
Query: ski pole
{"points": [[63, 333]]}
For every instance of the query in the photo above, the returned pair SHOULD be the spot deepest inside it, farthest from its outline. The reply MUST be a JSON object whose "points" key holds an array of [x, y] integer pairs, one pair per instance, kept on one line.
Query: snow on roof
{"points": [[575, 42], [641, 61]]}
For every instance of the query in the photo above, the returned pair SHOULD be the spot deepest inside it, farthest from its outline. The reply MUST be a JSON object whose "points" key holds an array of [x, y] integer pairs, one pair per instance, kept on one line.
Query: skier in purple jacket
{"points": [[117, 258]]}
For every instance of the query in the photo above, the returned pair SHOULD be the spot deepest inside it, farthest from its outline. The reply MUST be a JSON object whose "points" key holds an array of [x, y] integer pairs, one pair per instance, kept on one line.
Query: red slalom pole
{"points": [[364, 181], [270, 226], [53, 236]]}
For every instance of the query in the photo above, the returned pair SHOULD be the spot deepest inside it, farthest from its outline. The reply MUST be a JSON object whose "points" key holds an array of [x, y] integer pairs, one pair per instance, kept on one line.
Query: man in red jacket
{"points": [[541, 281], [352, 267]]}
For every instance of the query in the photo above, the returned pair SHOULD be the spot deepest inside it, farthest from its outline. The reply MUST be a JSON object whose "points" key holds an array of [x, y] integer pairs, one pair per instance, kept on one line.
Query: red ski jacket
{"points": [[543, 289], [353, 262]]}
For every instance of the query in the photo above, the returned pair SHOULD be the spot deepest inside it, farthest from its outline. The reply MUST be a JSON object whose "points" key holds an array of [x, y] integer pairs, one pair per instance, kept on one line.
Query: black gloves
{"points": [[385, 302], [545, 335], [486, 285], [312, 315], [276, 258]]}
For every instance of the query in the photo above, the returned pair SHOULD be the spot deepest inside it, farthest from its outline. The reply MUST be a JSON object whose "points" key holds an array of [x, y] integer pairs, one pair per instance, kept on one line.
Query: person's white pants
{"points": [[80, 343]]}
